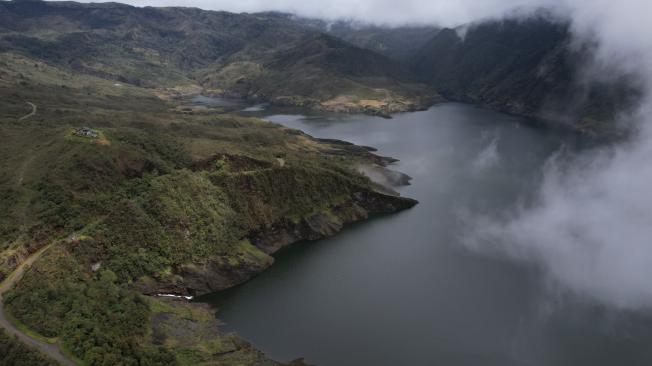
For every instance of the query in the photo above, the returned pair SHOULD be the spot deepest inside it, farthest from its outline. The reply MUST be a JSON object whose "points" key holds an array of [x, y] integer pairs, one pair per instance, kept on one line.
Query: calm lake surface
{"points": [[404, 289]]}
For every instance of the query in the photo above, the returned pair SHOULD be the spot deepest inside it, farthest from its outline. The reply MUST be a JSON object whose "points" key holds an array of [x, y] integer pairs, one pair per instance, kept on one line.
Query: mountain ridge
{"points": [[168, 47]]}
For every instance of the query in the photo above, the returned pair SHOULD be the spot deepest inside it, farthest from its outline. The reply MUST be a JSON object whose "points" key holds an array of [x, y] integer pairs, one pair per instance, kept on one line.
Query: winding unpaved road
{"points": [[52, 350], [33, 112]]}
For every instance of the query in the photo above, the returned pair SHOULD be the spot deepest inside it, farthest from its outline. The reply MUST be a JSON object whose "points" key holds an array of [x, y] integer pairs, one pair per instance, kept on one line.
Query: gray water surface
{"points": [[404, 289]]}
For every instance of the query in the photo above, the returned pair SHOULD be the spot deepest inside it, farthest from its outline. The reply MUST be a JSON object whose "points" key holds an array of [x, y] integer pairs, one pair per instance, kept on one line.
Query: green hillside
{"points": [[134, 197]]}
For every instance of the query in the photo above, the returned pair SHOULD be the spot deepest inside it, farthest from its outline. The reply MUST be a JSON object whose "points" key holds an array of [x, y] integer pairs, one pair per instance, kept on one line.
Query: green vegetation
{"points": [[161, 201], [15, 353], [140, 208], [97, 320], [191, 333], [176, 199], [524, 67], [167, 198]]}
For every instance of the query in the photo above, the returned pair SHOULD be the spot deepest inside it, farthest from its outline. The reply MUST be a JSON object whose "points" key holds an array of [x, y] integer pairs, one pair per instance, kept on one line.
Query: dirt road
{"points": [[33, 112], [52, 350]]}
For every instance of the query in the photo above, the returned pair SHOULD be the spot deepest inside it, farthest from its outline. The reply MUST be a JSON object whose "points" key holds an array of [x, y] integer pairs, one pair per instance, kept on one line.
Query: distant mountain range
{"points": [[527, 66], [397, 43], [242, 55]]}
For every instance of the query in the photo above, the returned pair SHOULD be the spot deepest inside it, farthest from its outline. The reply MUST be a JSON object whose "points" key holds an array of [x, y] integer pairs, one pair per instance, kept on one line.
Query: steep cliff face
{"points": [[530, 66]]}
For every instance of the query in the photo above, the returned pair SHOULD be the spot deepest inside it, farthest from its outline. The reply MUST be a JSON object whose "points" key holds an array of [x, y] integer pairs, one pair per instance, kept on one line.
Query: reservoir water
{"points": [[404, 289]]}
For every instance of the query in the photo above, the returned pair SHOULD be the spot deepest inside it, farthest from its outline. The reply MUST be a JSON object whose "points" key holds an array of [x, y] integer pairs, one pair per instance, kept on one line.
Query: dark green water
{"points": [[404, 289]]}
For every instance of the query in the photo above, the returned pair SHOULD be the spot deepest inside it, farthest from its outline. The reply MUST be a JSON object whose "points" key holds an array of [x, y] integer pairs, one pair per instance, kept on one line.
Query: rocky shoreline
{"points": [[214, 274]]}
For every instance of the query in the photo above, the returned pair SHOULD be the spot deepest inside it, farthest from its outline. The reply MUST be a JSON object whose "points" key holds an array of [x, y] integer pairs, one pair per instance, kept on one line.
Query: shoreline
{"points": [[384, 109], [197, 280]]}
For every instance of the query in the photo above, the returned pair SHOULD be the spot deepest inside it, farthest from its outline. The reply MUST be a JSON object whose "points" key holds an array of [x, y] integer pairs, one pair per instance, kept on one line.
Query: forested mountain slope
{"points": [[528, 66], [400, 43]]}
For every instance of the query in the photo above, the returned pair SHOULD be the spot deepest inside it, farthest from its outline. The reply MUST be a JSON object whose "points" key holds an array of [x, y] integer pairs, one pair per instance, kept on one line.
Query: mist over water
{"points": [[590, 227]]}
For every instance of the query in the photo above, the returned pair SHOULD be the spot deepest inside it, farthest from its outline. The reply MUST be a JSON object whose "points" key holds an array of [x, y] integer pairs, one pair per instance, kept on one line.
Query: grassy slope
{"points": [[161, 195]]}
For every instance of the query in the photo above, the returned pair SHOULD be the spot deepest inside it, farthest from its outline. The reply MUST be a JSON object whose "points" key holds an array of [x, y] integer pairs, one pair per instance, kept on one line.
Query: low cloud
{"points": [[590, 228]]}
